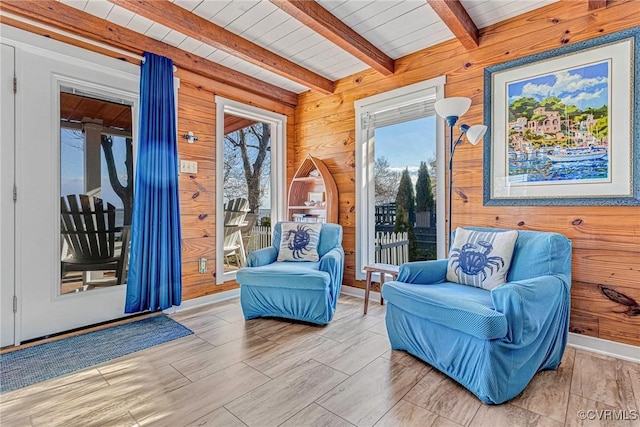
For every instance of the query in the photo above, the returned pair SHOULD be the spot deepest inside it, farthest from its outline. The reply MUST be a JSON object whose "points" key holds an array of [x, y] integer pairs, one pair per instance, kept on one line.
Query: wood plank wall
{"points": [[197, 113], [606, 240]]}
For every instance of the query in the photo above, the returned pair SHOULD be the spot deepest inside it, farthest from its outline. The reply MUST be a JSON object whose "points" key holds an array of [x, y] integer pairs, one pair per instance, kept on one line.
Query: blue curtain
{"points": [[155, 275]]}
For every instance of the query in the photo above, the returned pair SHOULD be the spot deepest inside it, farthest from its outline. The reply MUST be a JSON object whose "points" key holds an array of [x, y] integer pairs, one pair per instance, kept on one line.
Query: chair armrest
{"points": [[333, 263], [423, 272], [262, 256], [529, 305], [332, 259]]}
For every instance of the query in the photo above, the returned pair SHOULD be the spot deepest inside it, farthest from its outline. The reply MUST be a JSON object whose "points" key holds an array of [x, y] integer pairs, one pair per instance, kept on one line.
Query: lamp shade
{"points": [[455, 106], [475, 133]]}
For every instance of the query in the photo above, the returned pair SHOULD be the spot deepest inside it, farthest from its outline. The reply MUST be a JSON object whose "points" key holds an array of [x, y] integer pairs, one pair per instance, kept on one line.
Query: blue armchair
{"points": [[306, 291], [492, 342]]}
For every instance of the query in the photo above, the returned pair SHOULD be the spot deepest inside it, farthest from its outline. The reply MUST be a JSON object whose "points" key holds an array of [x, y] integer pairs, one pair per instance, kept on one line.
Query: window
{"points": [[96, 188], [251, 176], [388, 126]]}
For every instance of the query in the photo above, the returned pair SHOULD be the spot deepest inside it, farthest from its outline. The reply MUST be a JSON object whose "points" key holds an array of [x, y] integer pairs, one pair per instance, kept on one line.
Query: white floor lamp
{"points": [[451, 109]]}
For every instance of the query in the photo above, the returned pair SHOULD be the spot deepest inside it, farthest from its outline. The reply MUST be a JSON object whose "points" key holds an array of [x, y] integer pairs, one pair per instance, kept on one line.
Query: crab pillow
{"points": [[299, 241], [481, 258]]}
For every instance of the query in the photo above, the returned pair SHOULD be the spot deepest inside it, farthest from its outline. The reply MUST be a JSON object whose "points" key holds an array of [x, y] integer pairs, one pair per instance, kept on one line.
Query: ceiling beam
{"points": [[456, 17], [173, 16], [597, 4], [327, 25], [67, 18]]}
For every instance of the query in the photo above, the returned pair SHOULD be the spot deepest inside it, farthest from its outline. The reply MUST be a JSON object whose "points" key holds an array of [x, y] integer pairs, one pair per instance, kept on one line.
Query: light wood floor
{"points": [[267, 372]]}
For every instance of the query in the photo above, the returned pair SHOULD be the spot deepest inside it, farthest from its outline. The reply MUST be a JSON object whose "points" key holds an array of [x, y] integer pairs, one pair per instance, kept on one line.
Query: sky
{"points": [[407, 144], [585, 86], [72, 166]]}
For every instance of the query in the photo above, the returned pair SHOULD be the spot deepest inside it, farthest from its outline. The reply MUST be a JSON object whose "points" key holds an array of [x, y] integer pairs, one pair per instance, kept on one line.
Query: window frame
{"points": [[278, 124], [365, 159]]}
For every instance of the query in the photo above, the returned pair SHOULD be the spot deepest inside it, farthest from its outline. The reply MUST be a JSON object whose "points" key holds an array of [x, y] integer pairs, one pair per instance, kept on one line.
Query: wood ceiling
{"points": [[75, 108], [233, 123], [274, 48]]}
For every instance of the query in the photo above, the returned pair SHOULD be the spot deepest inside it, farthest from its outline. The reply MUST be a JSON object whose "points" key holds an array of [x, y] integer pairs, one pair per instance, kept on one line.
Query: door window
{"points": [[96, 189], [251, 174], [399, 176], [247, 187]]}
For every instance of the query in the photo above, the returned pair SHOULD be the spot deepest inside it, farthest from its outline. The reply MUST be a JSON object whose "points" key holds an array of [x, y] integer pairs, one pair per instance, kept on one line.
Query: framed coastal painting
{"points": [[564, 126]]}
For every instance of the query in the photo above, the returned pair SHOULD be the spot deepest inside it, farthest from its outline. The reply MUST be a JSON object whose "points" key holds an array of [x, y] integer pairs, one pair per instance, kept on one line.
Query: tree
{"points": [[523, 107], [424, 193], [255, 164], [124, 192], [235, 185], [601, 129], [405, 196], [433, 175], [402, 225], [553, 103], [538, 117], [406, 212], [386, 181]]}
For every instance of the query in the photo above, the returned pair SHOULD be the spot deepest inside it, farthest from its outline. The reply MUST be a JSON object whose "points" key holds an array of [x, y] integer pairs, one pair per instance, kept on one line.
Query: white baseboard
{"points": [[205, 300], [596, 345], [606, 347]]}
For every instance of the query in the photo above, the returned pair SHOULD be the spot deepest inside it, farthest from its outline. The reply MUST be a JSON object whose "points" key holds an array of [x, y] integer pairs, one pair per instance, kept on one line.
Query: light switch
{"points": [[187, 166]]}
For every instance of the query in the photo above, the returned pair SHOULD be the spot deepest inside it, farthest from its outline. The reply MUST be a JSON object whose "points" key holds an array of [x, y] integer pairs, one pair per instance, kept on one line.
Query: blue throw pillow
{"points": [[481, 258], [299, 242]]}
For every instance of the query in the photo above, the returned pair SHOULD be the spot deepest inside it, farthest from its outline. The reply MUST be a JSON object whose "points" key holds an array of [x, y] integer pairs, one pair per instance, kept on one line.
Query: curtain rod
{"points": [[75, 37]]}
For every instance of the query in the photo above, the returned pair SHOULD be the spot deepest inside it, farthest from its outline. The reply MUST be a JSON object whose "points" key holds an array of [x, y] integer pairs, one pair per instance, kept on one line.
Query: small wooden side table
{"points": [[383, 269]]}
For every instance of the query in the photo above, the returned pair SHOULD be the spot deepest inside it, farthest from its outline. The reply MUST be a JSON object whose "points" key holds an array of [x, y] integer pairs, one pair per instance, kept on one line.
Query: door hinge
{"points": [[15, 84], [15, 304], [15, 194]]}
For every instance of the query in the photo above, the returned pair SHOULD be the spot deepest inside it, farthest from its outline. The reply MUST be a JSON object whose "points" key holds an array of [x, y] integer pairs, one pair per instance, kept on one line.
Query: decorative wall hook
{"points": [[190, 137]]}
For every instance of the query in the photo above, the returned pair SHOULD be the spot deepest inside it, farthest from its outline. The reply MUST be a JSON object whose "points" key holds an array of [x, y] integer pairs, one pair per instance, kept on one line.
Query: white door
{"points": [[7, 226], [47, 72]]}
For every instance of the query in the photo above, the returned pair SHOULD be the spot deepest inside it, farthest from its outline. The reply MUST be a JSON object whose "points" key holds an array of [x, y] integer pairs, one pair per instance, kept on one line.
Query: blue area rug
{"points": [[45, 361]]}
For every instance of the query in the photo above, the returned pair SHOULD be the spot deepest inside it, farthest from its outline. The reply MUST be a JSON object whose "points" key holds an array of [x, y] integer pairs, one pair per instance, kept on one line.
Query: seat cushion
{"points": [[464, 308], [287, 275]]}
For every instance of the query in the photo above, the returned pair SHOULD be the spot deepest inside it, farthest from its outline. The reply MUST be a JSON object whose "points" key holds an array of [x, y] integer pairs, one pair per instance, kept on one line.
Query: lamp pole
{"points": [[451, 121], [451, 109]]}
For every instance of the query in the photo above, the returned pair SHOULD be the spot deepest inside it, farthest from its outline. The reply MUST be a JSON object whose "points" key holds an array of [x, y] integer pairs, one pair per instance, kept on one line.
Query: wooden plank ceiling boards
{"points": [[67, 18], [324, 23], [233, 123], [74, 108], [185, 22], [458, 20]]}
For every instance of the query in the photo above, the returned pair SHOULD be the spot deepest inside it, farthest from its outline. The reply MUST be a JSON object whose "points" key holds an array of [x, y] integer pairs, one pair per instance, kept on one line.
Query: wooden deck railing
{"points": [[392, 248], [260, 238]]}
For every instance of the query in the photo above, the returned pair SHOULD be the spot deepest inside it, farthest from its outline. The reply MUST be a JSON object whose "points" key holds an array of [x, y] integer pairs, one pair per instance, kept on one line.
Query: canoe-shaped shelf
{"points": [[313, 195]]}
